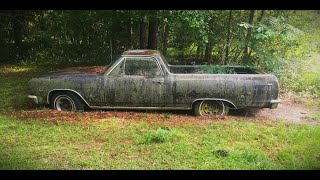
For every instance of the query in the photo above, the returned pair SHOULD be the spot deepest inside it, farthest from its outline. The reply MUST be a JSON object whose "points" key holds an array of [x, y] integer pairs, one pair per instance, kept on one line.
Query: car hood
{"points": [[85, 70]]}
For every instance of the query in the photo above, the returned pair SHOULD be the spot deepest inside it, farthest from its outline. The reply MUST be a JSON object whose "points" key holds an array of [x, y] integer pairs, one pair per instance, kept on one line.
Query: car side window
{"points": [[119, 70], [142, 67]]}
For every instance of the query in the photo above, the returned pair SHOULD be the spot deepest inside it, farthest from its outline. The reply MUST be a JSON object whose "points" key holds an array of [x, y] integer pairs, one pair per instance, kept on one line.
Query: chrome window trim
{"points": [[146, 57], [124, 57], [114, 66]]}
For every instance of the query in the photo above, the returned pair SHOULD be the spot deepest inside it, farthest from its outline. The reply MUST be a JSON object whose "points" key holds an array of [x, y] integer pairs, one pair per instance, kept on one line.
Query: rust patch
{"points": [[141, 52], [89, 69]]}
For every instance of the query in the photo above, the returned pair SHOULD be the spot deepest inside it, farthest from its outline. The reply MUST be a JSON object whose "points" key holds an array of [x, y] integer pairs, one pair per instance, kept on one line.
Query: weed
{"points": [[221, 152], [167, 115], [162, 135]]}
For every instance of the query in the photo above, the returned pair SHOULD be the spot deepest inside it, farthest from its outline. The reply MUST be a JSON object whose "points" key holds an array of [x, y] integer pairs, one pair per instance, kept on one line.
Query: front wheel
{"points": [[67, 102], [210, 107]]}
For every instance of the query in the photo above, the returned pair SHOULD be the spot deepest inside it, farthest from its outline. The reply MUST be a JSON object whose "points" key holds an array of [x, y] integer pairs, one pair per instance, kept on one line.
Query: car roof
{"points": [[141, 52]]}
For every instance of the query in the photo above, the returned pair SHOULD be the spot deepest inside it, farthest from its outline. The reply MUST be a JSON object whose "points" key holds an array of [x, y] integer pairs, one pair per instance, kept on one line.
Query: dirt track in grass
{"points": [[290, 110]]}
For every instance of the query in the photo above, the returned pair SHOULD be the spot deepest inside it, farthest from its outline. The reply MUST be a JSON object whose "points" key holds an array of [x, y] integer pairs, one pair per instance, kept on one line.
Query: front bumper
{"points": [[34, 99], [274, 103]]}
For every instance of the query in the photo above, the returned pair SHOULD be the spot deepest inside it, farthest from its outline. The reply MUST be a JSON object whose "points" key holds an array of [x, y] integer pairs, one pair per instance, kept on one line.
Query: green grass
{"points": [[120, 144], [13, 88], [312, 102], [315, 117]]}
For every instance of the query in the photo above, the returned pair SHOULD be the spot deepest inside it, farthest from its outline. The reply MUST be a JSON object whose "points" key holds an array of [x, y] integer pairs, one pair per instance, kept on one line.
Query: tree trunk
{"points": [[259, 20], [208, 54], [143, 31], [261, 15], [199, 51], [166, 31], [18, 31], [248, 37], [130, 32], [165, 39], [3, 31], [153, 27], [228, 38], [111, 58]]}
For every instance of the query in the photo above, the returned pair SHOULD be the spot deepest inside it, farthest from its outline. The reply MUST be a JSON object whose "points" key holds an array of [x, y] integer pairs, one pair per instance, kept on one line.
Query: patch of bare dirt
{"points": [[174, 118], [290, 111]]}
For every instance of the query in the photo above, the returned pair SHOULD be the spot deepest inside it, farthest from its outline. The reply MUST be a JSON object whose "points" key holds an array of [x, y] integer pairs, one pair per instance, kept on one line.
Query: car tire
{"points": [[210, 107], [196, 108], [67, 101], [226, 109]]}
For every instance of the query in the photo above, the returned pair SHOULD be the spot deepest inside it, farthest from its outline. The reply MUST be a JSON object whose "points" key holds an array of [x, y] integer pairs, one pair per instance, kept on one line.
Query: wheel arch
{"points": [[66, 90], [229, 103]]}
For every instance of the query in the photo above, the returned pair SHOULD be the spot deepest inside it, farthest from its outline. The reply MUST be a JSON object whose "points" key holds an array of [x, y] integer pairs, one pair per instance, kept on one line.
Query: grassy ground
{"points": [[121, 144], [117, 143]]}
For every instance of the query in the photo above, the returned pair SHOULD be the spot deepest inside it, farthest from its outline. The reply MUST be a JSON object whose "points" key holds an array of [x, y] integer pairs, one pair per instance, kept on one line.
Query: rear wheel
{"points": [[67, 102], [210, 107]]}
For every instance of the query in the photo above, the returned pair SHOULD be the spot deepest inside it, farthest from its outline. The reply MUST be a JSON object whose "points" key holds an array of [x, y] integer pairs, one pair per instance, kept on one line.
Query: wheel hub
{"points": [[211, 107], [64, 104]]}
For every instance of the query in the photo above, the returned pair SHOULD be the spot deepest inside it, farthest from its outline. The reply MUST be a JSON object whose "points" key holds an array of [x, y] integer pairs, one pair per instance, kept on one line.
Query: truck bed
{"points": [[210, 69]]}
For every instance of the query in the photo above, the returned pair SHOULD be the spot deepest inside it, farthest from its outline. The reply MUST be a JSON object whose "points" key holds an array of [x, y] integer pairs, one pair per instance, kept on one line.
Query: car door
{"points": [[136, 82]]}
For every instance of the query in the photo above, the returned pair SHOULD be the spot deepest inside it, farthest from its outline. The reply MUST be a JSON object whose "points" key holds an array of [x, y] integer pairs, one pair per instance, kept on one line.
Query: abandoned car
{"points": [[142, 79]]}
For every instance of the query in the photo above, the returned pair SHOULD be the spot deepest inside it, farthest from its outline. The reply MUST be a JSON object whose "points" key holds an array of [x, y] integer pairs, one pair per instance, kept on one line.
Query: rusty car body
{"points": [[142, 79]]}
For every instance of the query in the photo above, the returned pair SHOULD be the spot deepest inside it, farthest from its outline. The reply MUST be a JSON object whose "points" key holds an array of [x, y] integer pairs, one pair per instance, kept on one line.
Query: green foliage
{"points": [[272, 41], [198, 25], [301, 76]]}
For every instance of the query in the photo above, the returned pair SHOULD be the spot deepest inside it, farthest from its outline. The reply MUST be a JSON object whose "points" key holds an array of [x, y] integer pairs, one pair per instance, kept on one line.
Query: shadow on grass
{"points": [[233, 112], [246, 112]]}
